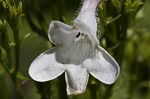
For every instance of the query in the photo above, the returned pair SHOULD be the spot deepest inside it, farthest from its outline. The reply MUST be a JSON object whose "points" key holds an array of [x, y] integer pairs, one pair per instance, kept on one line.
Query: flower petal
{"points": [[45, 67], [87, 14], [103, 66], [76, 79], [60, 33]]}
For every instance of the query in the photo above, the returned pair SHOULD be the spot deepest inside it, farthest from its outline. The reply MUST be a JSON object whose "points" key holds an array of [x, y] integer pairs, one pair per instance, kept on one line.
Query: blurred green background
{"points": [[134, 60]]}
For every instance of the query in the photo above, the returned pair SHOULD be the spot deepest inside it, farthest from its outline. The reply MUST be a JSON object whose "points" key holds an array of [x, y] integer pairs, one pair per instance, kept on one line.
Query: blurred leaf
{"points": [[136, 4], [2, 72], [14, 15], [128, 4], [3, 85], [3, 3], [116, 3], [3, 54], [20, 76], [1, 25]]}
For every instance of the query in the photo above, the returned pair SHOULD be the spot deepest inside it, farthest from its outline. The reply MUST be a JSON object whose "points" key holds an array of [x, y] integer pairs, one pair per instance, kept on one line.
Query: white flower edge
{"points": [[45, 67], [103, 67], [76, 78]]}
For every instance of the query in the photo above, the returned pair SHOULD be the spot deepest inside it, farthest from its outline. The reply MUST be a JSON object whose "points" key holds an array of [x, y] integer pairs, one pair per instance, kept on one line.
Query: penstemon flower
{"points": [[77, 53]]}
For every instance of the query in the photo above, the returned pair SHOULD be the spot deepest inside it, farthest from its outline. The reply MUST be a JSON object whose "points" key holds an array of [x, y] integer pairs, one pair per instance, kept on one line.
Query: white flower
{"points": [[77, 53]]}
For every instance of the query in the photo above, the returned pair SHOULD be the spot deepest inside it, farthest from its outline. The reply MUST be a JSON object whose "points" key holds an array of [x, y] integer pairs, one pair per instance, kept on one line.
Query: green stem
{"points": [[44, 89], [17, 62], [93, 90], [62, 87], [17, 55], [13, 1], [108, 92]]}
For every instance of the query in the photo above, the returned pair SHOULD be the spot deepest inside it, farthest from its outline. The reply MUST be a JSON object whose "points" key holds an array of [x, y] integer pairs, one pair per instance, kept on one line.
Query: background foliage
{"points": [[124, 31]]}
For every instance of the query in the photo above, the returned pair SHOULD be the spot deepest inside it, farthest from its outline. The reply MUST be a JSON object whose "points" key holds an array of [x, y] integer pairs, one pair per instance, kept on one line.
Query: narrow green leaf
{"points": [[3, 54], [136, 4], [27, 35], [19, 8], [20, 76]]}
